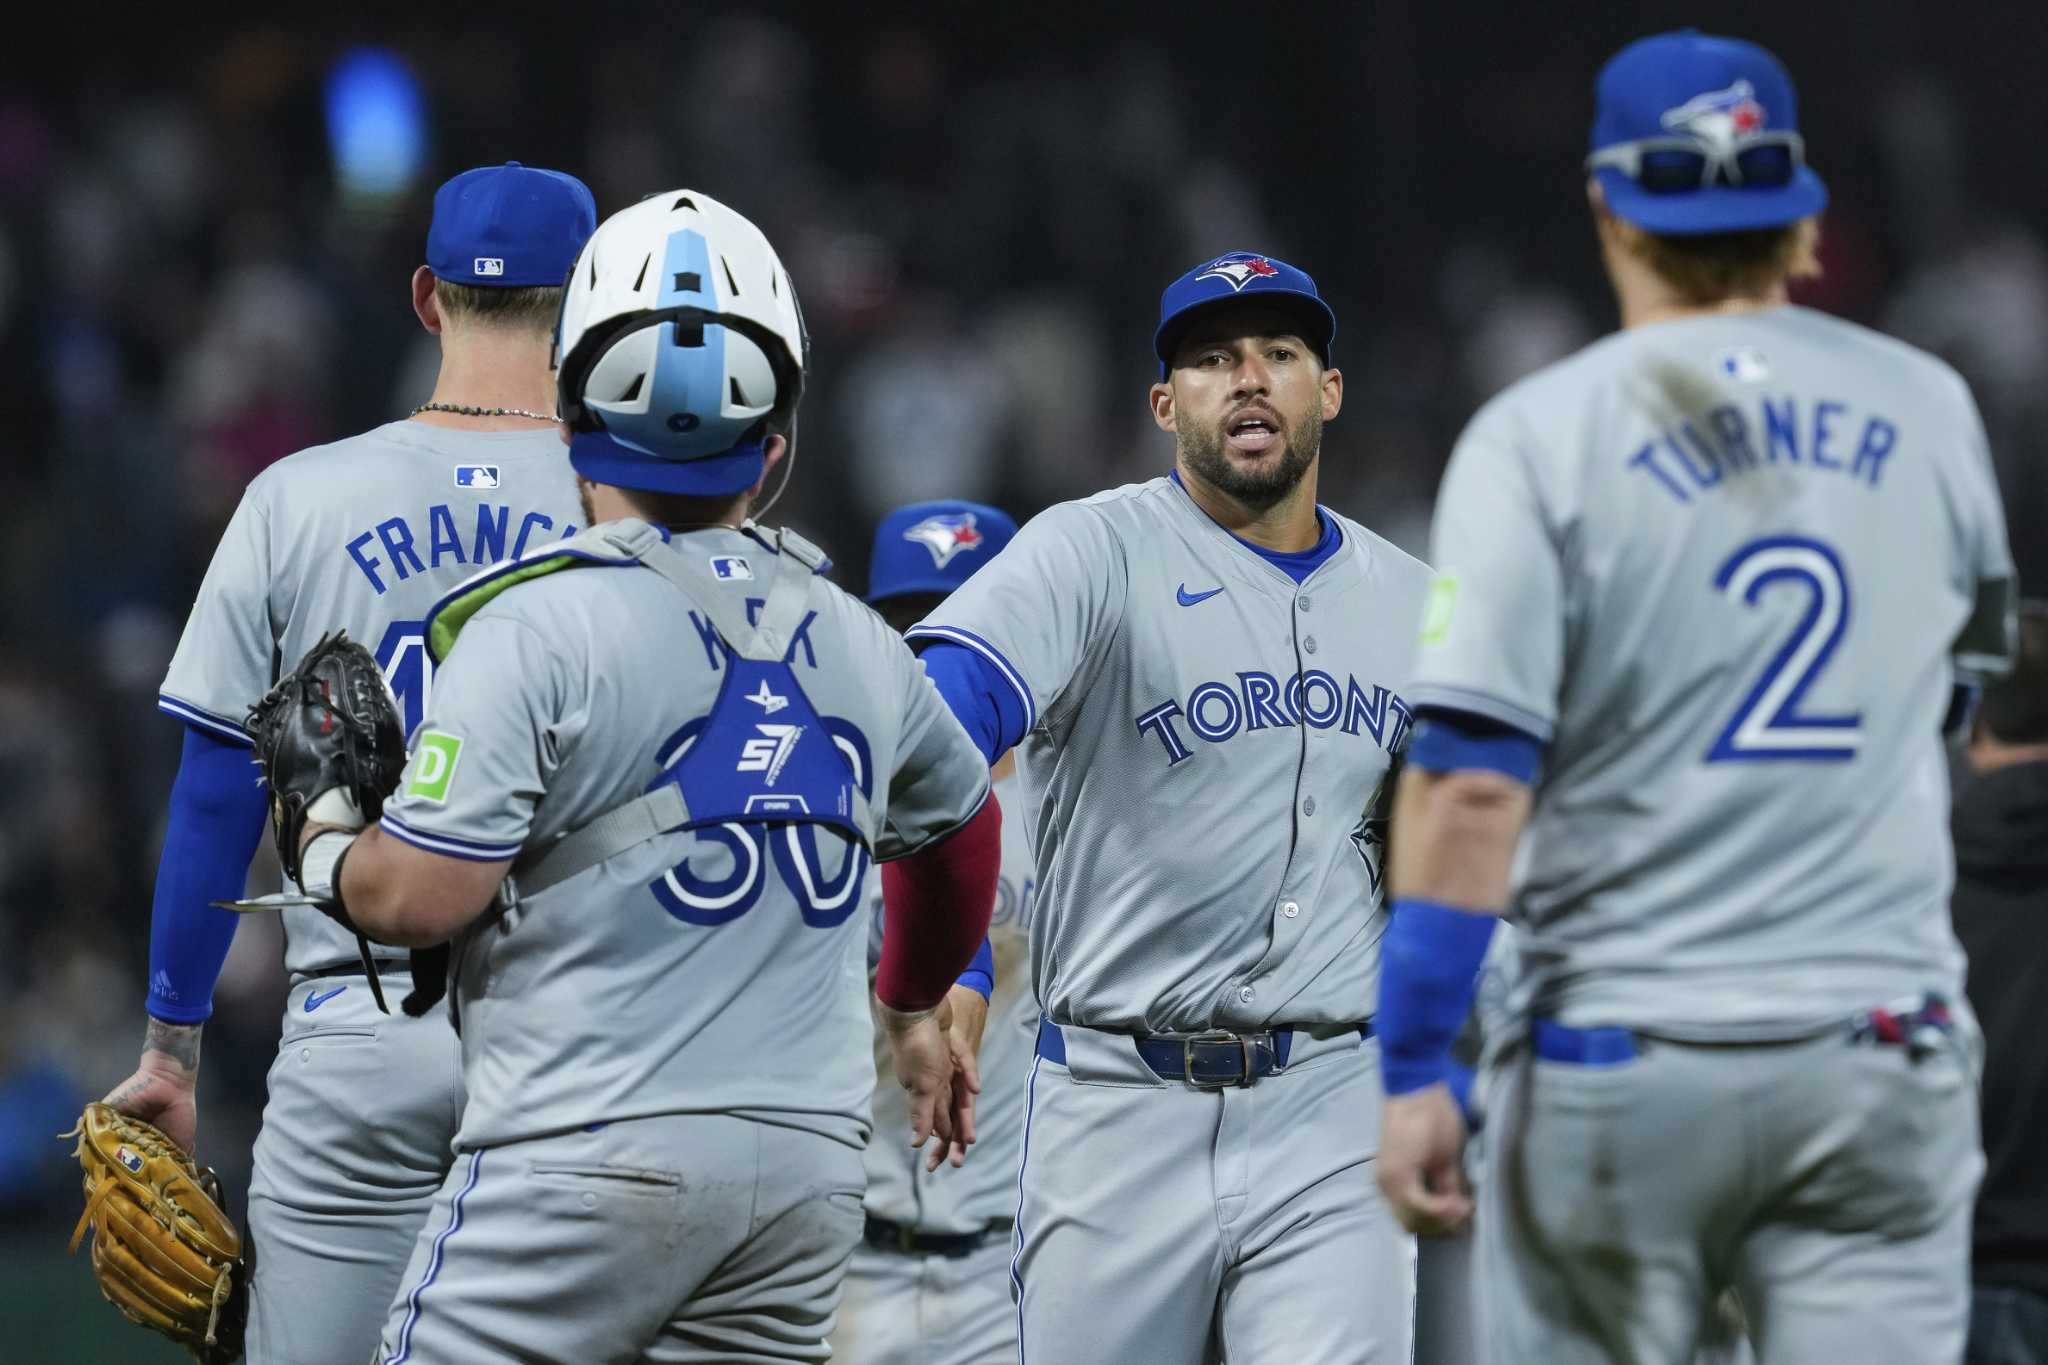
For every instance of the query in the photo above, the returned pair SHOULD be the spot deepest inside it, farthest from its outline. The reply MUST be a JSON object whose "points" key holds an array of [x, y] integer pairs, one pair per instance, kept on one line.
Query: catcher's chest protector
{"points": [[762, 752]]}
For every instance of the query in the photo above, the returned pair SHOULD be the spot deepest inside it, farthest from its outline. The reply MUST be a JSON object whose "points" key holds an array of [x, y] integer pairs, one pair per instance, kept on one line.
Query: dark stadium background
{"points": [[979, 207]]}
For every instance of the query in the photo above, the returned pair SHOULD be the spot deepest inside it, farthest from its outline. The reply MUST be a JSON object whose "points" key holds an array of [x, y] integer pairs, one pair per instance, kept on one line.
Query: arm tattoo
{"points": [[180, 1042]]}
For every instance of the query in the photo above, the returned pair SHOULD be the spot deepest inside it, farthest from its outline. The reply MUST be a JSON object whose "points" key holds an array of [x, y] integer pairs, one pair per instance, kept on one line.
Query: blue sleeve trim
{"points": [[1433, 696], [449, 845], [981, 973], [219, 726], [1429, 974], [217, 816], [967, 638], [979, 696], [1453, 741]]}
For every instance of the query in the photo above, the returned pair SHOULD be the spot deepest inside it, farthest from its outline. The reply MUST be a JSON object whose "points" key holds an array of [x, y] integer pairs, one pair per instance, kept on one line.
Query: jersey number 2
{"points": [[1768, 726]]}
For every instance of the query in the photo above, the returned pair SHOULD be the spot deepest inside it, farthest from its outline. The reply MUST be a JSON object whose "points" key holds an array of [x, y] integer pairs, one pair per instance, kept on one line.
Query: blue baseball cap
{"points": [[1241, 276], [934, 547], [1728, 96], [509, 227]]}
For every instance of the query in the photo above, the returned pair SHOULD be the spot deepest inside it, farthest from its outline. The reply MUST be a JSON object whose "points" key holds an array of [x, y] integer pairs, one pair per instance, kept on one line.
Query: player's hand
{"points": [[970, 1017], [164, 1088], [923, 1050], [1421, 1164]]}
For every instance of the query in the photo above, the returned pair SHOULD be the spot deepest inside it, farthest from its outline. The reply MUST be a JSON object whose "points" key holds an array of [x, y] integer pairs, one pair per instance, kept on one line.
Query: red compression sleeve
{"points": [[938, 902]]}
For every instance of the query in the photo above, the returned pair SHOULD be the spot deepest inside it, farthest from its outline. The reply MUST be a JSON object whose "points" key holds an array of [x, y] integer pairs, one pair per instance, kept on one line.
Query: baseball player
{"points": [[364, 534], [1705, 590], [930, 1285], [684, 746], [1198, 672]]}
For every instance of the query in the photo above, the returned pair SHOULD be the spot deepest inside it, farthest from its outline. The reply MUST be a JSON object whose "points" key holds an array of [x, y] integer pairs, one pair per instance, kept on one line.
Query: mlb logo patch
{"points": [[476, 476], [730, 567], [1743, 365], [128, 1159], [490, 265]]}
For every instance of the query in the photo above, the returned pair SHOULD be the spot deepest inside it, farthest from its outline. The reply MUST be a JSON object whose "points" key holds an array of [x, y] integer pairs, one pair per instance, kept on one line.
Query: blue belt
{"points": [[1207, 1061], [1555, 1042]]}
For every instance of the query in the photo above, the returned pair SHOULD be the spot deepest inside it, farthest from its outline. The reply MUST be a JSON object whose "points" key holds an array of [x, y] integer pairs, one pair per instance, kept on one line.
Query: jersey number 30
{"points": [[1768, 726]]}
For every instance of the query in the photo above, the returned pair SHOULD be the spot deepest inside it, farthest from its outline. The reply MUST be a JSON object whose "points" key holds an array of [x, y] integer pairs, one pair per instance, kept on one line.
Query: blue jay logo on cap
{"points": [[946, 535], [1239, 271], [1719, 116]]}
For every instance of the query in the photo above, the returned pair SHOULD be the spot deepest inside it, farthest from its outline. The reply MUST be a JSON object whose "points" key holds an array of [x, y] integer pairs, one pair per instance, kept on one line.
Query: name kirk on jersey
{"points": [[1698, 455], [1217, 711], [405, 555]]}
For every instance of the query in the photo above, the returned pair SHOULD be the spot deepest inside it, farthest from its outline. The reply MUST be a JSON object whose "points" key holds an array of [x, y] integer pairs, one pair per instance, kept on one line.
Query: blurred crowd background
{"points": [[206, 233]]}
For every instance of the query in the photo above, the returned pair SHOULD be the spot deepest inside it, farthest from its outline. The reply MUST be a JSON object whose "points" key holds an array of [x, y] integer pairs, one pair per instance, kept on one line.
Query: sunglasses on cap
{"points": [[1671, 165]]}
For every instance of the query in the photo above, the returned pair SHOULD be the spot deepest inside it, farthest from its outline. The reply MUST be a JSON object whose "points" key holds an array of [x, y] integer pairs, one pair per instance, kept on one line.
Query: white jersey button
{"points": [[1302, 601], [1246, 994], [1290, 909], [1309, 644], [1308, 807]]}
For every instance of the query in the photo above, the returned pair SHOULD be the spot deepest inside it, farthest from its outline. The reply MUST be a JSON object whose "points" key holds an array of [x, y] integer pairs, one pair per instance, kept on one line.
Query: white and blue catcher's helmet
{"points": [[680, 344]]}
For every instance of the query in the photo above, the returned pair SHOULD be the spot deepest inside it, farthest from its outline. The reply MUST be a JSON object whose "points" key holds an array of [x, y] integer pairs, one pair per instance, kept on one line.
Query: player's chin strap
{"points": [[766, 639]]}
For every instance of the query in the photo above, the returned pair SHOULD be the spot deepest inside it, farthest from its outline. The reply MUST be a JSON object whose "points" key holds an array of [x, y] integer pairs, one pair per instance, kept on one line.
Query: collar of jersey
{"points": [[1286, 561]]}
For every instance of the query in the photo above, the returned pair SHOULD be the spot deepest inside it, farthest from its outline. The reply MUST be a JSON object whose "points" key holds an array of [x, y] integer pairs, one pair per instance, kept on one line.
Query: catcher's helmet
{"points": [[680, 345]]}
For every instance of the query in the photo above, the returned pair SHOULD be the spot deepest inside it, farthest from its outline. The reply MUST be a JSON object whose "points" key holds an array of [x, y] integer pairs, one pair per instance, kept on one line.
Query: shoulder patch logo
{"points": [[730, 568], [1436, 613], [433, 766], [946, 535], [476, 476]]}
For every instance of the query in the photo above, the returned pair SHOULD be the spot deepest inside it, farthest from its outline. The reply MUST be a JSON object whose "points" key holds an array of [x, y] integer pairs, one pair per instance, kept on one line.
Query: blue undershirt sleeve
{"points": [[217, 816], [1448, 741], [978, 695], [981, 973]]}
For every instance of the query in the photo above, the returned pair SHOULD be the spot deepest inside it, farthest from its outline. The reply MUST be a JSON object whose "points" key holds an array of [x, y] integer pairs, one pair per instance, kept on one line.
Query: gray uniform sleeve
{"points": [[1042, 609], [1986, 641], [489, 742], [937, 778], [225, 659], [1494, 622]]}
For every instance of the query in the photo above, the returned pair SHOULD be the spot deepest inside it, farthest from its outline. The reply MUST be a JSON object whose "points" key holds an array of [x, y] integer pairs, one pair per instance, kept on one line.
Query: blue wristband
{"points": [[1429, 972], [981, 973]]}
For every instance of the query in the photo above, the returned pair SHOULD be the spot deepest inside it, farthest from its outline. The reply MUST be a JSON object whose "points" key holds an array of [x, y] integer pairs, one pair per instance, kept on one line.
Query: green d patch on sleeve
{"points": [[1436, 613], [433, 766]]}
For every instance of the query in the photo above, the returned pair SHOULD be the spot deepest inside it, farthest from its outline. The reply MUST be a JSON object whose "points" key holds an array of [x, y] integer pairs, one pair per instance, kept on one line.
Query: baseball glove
{"points": [[162, 1250], [329, 741]]}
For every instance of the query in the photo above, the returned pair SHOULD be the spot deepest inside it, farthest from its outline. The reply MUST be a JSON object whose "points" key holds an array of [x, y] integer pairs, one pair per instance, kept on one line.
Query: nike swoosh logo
{"points": [[1188, 599], [314, 1002]]}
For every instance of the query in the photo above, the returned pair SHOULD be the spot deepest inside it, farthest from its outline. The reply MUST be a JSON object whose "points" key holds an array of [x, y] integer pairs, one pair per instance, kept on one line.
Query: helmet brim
{"points": [[598, 457]]}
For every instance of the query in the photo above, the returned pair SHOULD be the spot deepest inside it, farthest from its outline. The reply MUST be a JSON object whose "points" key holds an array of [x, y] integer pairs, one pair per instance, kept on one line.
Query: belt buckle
{"points": [[906, 1239], [1187, 1059]]}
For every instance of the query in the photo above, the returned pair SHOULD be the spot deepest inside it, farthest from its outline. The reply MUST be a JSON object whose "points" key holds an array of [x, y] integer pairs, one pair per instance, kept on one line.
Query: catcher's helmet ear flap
{"points": [[680, 338]]}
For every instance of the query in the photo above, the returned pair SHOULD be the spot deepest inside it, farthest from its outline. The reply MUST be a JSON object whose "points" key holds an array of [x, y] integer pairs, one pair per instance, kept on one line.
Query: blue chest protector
{"points": [[762, 755]]}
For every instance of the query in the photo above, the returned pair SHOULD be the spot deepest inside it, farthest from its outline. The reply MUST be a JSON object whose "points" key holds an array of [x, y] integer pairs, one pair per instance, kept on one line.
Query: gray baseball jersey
{"points": [[363, 535], [1205, 735], [1725, 567], [985, 1189], [707, 970]]}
